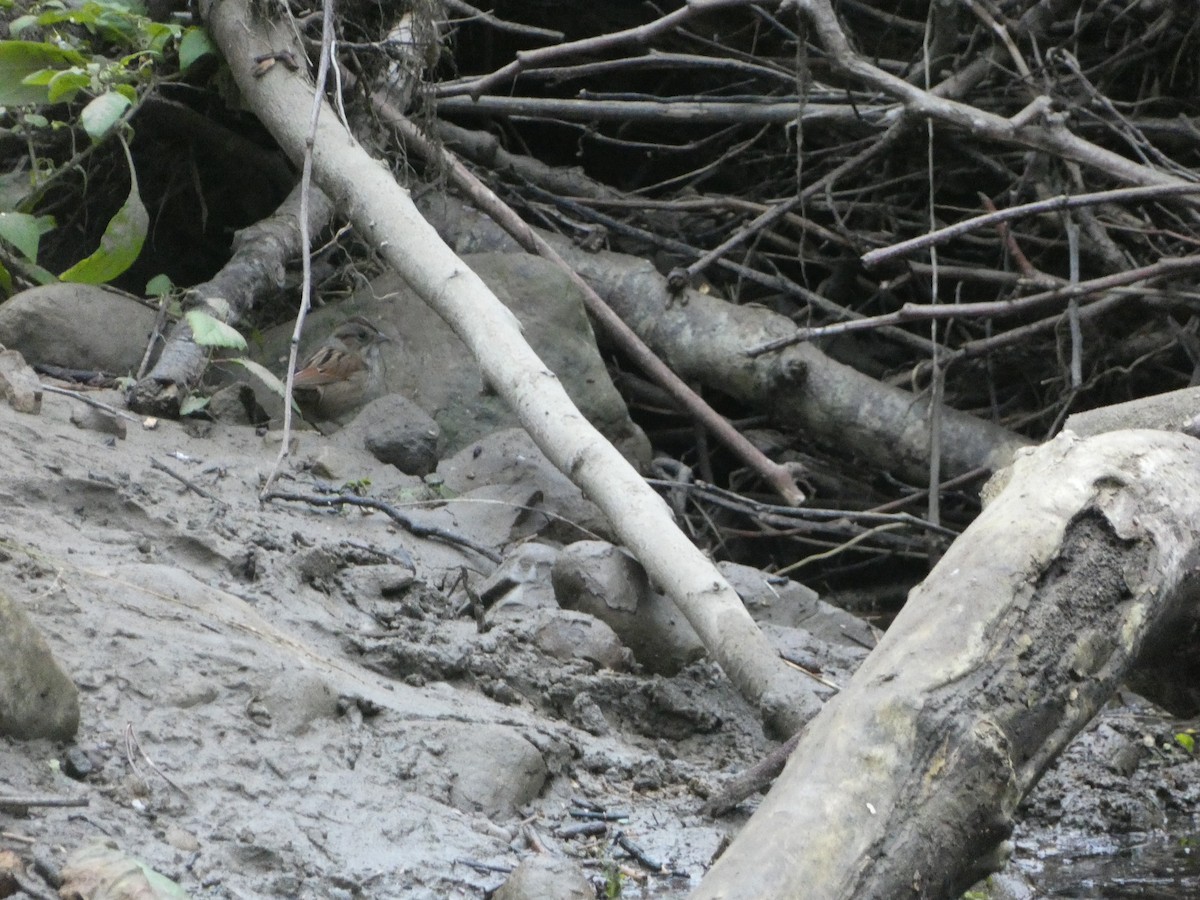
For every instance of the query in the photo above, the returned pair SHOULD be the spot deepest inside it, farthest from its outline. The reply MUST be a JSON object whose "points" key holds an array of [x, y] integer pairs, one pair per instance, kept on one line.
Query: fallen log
{"points": [[906, 783], [705, 338]]}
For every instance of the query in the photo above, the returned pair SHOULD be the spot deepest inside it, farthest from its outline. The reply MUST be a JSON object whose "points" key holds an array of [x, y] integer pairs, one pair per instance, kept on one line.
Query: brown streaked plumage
{"points": [[342, 374]]}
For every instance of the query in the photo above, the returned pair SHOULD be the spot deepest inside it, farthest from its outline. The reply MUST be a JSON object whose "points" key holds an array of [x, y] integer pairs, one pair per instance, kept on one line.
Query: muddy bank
{"points": [[285, 701]]}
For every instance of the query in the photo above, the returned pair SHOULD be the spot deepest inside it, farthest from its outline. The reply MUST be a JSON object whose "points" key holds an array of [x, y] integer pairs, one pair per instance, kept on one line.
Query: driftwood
{"points": [[906, 783]]}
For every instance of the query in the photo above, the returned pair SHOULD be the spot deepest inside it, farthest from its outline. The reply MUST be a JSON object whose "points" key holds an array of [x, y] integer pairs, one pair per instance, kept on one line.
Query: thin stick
{"points": [[917, 312], [9, 800], [187, 483], [1060, 203], [132, 744], [90, 401], [415, 528], [757, 778], [327, 29]]}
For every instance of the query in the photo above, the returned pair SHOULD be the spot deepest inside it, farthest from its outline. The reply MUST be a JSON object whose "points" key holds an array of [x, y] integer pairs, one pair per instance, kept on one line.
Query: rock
{"points": [[545, 877], [398, 432], [77, 764], [587, 714], [792, 605], [604, 581], [382, 581], [521, 582], [291, 702], [511, 457], [475, 767], [572, 635], [37, 699], [90, 418], [72, 325], [181, 839], [20, 384], [236, 404], [834, 661], [429, 364], [498, 771]]}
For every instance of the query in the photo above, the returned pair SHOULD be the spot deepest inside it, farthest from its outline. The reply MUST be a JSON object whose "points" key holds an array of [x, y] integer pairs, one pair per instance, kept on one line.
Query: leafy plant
{"points": [[208, 331], [614, 881], [159, 286], [359, 487], [122, 240], [105, 54]]}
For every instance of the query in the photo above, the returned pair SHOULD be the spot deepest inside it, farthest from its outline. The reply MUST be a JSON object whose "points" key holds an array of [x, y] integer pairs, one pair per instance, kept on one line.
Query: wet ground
{"points": [[285, 701]]}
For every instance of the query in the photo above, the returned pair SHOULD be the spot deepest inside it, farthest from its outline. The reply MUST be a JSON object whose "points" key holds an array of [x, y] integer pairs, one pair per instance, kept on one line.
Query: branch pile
{"points": [[988, 203]]}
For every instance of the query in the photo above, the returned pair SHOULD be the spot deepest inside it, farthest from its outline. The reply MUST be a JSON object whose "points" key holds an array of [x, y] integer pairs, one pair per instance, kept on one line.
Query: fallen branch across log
{"points": [[704, 338], [906, 783]]}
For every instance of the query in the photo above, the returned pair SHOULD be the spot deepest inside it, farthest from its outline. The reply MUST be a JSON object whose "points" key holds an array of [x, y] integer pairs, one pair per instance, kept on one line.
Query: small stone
{"points": [[599, 579], [37, 698], [398, 432], [235, 404], [545, 877], [586, 713], [20, 384], [77, 764], [522, 580], [570, 635], [181, 839]]}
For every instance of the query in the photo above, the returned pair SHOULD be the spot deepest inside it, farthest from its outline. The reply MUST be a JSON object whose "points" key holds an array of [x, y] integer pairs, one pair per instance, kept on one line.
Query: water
{"points": [[1162, 864]]}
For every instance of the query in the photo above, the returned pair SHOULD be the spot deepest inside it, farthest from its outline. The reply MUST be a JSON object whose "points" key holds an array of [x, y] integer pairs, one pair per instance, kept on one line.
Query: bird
{"points": [[342, 374]]}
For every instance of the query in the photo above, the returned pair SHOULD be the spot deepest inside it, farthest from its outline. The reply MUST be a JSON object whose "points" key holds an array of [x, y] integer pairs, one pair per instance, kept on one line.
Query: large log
{"points": [[906, 783]]}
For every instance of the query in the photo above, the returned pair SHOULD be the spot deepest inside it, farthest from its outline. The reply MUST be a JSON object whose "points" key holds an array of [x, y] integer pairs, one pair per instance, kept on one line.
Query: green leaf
{"points": [[38, 274], [66, 84], [20, 23], [158, 285], [40, 77], [20, 59], [262, 373], [159, 34], [83, 16], [24, 231], [195, 44], [14, 185], [211, 332], [192, 403], [102, 114], [1186, 741], [122, 240], [118, 26], [6, 285]]}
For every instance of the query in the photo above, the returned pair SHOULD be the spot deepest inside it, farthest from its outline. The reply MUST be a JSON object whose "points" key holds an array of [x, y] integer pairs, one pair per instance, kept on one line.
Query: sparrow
{"points": [[342, 374]]}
